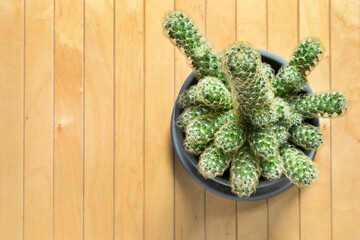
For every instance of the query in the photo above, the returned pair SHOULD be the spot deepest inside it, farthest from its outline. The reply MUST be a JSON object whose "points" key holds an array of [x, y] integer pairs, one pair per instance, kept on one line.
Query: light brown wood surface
{"points": [[86, 94]]}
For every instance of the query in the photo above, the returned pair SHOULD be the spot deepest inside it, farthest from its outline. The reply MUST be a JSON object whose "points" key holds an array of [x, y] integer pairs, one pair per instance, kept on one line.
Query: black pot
{"points": [[221, 185]]}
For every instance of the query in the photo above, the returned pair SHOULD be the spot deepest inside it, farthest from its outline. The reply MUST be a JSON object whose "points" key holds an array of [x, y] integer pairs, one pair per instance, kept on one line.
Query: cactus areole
{"points": [[245, 119]]}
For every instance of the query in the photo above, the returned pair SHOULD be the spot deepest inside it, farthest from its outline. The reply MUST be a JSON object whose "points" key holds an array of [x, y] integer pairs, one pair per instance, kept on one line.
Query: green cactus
{"points": [[251, 89], [265, 145], [281, 132], [242, 63], [213, 162], [306, 136], [263, 142], [327, 104], [213, 93], [188, 98], [287, 116], [272, 167], [181, 30], [191, 113], [241, 112], [195, 149], [262, 117], [202, 129], [183, 33], [269, 71], [291, 77], [289, 81], [308, 53], [231, 136], [299, 168], [244, 172], [208, 91]]}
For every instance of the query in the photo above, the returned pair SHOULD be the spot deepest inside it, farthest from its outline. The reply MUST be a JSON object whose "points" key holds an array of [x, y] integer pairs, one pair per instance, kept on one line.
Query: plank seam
{"points": [[53, 123], [83, 126], [23, 123], [114, 118], [267, 27], [53, 130], [144, 112]]}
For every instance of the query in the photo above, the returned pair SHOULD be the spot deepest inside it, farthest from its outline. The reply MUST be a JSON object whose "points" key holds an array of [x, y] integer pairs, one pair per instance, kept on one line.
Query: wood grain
{"points": [[315, 207], [189, 196], [68, 132], [38, 161], [159, 99], [99, 120], [129, 119], [282, 39], [11, 119], [251, 23], [220, 30], [345, 132], [86, 94]]}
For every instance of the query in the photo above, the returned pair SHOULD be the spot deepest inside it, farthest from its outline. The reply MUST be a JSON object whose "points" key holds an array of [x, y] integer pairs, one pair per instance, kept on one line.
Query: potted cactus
{"points": [[243, 117]]}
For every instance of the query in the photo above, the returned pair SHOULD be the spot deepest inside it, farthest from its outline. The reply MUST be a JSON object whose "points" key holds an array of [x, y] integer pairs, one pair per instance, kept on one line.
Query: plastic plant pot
{"points": [[220, 185]]}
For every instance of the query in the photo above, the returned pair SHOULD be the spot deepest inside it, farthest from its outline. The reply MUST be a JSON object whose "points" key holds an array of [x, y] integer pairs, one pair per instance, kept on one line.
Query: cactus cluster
{"points": [[244, 116]]}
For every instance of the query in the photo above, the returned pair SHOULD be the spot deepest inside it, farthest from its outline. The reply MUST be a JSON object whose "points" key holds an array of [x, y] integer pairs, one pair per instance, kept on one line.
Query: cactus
{"points": [[208, 91], [281, 133], [241, 113], [269, 71], [327, 104], [181, 30], [289, 81], [291, 77], [213, 162], [191, 113], [265, 145], [272, 167], [287, 116], [201, 130], [299, 168], [195, 149], [231, 136], [188, 98], [249, 84], [183, 33], [263, 142], [244, 172], [308, 53], [213, 93], [306, 136]]}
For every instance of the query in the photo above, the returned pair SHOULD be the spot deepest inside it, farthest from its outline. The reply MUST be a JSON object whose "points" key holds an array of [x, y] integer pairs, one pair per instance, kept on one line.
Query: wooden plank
{"points": [[315, 208], [38, 165], [251, 26], [220, 217], [129, 119], [12, 118], [345, 75], [99, 116], [251, 22], [159, 98], [68, 132], [221, 32], [189, 196], [282, 39]]}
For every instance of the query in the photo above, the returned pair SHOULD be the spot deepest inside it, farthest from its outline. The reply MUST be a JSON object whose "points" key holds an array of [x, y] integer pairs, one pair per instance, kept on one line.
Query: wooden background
{"points": [[86, 93]]}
